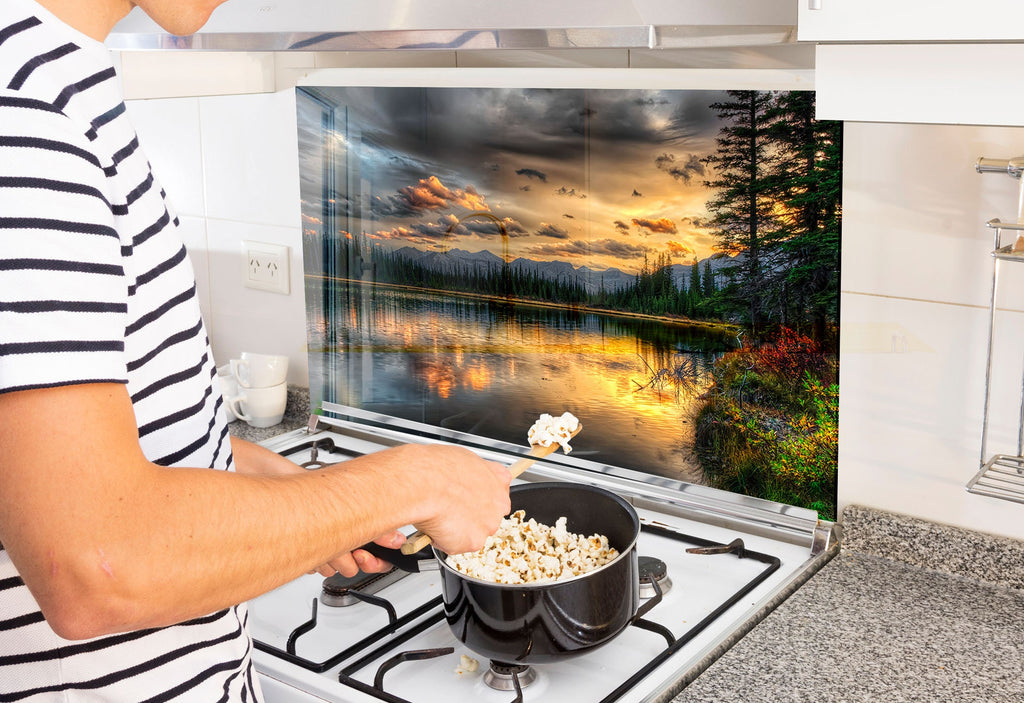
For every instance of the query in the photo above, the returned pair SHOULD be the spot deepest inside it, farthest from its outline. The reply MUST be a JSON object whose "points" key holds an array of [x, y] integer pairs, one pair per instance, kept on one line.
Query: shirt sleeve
{"points": [[63, 290]]}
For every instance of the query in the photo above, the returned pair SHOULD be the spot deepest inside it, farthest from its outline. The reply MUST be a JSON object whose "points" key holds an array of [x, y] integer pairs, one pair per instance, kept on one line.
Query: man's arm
{"points": [[107, 541], [250, 458]]}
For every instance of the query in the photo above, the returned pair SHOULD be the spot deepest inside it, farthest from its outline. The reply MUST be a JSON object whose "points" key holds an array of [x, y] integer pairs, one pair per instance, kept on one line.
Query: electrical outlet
{"points": [[265, 266]]}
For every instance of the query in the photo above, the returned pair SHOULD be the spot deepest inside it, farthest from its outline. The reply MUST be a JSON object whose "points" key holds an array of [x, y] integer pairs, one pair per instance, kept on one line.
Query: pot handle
{"points": [[414, 563]]}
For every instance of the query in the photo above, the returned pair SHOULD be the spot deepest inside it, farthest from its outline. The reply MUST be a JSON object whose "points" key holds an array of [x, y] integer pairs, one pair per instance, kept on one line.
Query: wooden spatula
{"points": [[418, 540]]}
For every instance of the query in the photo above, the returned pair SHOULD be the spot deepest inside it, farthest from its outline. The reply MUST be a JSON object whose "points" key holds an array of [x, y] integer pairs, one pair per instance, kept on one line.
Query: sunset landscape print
{"points": [[660, 263]]}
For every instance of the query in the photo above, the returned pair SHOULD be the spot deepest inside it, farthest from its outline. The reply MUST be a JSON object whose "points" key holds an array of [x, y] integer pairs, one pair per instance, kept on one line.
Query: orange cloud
{"points": [[659, 226], [679, 249], [431, 194]]}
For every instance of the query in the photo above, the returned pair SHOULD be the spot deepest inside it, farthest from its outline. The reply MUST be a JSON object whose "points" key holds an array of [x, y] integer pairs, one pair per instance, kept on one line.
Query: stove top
{"points": [[714, 564]]}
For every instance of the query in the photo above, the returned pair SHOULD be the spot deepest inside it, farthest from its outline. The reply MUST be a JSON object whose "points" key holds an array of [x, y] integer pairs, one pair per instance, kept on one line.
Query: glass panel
{"points": [[662, 264]]}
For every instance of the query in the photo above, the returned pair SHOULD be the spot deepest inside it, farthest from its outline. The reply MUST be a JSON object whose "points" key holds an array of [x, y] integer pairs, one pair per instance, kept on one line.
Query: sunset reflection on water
{"points": [[491, 369]]}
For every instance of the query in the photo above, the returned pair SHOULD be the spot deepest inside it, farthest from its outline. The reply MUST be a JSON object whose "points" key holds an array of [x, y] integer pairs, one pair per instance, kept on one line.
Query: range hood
{"points": [[357, 25]]}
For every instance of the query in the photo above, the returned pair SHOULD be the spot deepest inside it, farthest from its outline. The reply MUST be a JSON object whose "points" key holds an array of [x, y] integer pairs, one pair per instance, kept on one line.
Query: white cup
{"points": [[260, 370], [228, 388], [260, 407]]}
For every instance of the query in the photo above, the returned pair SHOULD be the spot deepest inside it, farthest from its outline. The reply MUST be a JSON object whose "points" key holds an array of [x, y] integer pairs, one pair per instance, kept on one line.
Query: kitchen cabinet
{"points": [[962, 83], [910, 21], [935, 62]]}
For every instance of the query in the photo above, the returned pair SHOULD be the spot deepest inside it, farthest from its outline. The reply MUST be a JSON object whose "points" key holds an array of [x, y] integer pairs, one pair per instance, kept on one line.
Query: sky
{"points": [[592, 177]]}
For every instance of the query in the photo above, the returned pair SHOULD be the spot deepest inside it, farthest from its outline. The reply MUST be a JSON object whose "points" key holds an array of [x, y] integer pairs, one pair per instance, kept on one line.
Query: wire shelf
{"points": [[1002, 476]]}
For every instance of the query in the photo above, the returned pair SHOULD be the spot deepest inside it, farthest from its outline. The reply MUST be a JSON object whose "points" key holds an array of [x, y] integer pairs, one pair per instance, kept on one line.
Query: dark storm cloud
{"points": [[552, 231], [569, 193], [532, 173], [679, 170], [662, 225], [621, 226], [692, 115]]}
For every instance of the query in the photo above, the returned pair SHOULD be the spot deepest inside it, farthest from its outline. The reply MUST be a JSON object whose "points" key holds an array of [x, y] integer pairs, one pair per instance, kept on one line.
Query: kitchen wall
{"points": [[916, 267]]}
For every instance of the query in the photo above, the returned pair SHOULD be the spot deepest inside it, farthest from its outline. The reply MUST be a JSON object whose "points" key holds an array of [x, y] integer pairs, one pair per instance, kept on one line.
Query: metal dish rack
{"points": [[1001, 475]]}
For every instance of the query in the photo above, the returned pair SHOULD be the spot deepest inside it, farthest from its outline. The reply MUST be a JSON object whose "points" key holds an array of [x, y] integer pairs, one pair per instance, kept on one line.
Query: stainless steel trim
{"points": [[626, 37], [790, 523]]}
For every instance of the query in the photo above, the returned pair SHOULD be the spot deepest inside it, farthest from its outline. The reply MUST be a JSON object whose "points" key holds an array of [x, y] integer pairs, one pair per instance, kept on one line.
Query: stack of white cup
{"points": [[255, 389]]}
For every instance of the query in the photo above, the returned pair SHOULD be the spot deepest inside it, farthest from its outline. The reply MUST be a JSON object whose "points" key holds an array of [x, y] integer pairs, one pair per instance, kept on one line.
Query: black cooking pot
{"points": [[542, 622]]}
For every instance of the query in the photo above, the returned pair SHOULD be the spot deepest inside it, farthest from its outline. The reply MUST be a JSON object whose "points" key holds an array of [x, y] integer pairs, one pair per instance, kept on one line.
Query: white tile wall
{"points": [[230, 167], [916, 282]]}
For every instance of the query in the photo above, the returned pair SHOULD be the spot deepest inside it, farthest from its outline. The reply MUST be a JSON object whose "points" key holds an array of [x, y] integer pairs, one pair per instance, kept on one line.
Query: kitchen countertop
{"points": [[296, 415], [907, 611]]}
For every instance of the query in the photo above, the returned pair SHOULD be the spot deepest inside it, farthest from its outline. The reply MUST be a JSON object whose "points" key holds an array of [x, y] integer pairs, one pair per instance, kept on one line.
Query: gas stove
{"points": [[712, 565]]}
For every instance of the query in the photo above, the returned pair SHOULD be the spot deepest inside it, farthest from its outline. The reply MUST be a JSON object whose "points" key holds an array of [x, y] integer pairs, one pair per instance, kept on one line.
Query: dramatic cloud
{"points": [[660, 226], [569, 193], [621, 226], [696, 222], [428, 194], [581, 249], [449, 227], [680, 171], [680, 249], [553, 231], [487, 228], [532, 173]]}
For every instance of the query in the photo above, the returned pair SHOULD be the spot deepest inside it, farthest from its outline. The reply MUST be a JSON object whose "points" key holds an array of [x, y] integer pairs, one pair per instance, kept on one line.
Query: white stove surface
{"points": [[700, 584]]}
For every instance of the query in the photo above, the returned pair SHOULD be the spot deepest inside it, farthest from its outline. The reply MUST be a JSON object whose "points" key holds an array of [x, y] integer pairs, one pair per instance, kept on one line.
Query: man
{"points": [[124, 556]]}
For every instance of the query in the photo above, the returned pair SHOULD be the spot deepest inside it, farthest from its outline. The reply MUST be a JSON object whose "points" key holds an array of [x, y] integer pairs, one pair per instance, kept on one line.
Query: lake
{"points": [[490, 367]]}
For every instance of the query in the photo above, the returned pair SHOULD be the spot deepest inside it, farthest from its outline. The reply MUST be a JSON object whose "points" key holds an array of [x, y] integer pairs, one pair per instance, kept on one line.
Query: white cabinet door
{"points": [[928, 83], [910, 20]]}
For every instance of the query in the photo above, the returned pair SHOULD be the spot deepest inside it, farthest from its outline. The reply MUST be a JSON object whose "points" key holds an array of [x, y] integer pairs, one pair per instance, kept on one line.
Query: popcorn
{"points": [[550, 430], [525, 551]]}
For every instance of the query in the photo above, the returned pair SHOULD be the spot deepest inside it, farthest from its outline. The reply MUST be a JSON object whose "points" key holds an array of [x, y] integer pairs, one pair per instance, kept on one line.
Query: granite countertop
{"points": [[296, 415], [907, 611]]}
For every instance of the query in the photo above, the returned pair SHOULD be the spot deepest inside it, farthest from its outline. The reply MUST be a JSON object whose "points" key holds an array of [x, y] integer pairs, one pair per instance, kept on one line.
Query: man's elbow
{"points": [[83, 604]]}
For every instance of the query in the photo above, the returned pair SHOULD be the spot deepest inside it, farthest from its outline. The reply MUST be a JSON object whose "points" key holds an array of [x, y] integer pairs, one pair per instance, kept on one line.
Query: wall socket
{"points": [[265, 266]]}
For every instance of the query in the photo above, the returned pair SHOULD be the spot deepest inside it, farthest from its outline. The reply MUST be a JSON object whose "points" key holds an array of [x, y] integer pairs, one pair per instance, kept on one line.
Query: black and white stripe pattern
{"points": [[96, 286]]}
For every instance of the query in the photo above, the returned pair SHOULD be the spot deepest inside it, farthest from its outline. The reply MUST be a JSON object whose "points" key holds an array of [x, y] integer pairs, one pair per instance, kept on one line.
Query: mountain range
{"points": [[593, 280]]}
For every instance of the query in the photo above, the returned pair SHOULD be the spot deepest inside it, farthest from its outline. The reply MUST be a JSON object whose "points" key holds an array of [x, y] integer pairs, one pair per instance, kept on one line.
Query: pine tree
{"points": [[809, 184], [741, 209]]}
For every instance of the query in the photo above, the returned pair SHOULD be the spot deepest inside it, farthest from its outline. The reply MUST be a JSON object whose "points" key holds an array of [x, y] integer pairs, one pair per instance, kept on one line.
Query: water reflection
{"points": [[490, 367]]}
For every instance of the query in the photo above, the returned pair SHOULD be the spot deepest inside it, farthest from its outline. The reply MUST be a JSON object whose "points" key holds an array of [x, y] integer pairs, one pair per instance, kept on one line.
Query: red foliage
{"points": [[790, 353]]}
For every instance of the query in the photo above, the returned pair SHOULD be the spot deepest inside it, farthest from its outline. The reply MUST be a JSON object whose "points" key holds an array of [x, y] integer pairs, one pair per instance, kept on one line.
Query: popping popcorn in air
{"points": [[525, 551], [549, 430]]}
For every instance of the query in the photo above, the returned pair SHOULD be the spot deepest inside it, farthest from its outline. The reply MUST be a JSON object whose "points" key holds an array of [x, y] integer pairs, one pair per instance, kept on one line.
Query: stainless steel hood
{"points": [[357, 25]]}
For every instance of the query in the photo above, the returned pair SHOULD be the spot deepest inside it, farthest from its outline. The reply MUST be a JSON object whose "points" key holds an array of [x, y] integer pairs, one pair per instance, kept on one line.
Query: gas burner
{"points": [[653, 568], [501, 676], [340, 591]]}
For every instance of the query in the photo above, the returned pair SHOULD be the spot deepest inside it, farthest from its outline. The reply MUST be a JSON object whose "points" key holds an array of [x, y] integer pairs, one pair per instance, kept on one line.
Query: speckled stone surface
{"points": [[921, 623], [917, 542], [296, 415]]}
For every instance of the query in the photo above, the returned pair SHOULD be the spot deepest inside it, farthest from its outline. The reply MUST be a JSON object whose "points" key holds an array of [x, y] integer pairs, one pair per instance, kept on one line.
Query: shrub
{"points": [[769, 425]]}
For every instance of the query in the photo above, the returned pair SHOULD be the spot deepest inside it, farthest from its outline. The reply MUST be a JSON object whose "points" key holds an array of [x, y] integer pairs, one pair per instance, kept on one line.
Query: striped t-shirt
{"points": [[96, 286]]}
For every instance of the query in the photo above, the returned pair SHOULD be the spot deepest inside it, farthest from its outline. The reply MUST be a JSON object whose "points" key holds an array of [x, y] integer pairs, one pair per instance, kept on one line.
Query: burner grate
{"points": [[384, 643]]}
